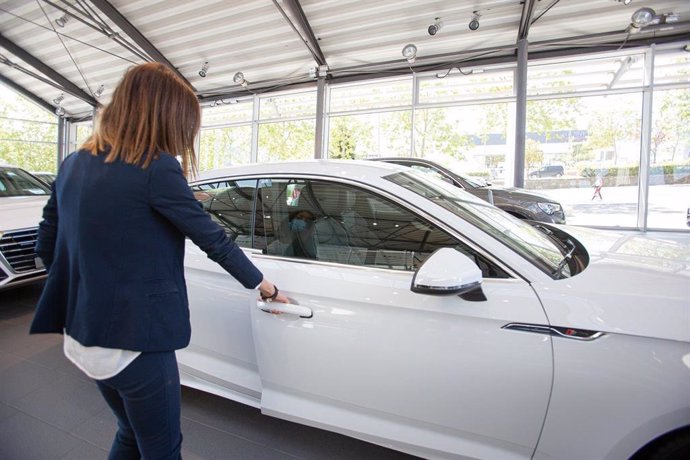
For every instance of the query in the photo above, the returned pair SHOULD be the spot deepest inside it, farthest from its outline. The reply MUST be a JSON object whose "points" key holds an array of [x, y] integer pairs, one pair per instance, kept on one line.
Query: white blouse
{"points": [[97, 362]]}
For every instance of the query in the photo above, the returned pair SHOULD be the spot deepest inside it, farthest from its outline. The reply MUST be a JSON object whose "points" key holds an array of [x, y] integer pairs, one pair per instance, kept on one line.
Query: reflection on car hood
{"points": [[17, 212], [637, 284], [519, 194]]}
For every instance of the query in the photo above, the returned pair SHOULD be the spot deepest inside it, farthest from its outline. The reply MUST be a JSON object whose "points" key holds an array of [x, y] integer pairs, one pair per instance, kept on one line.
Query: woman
{"points": [[113, 237]]}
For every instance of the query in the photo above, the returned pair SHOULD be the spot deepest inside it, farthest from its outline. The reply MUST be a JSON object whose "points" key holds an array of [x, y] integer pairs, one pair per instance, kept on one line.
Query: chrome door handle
{"points": [[287, 308]]}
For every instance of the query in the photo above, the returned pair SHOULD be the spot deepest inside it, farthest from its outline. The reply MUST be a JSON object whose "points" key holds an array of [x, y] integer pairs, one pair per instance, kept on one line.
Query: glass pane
{"points": [[585, 153], [459, 87], [43, 156], [586, 74], [220, 148], [468, 139], [669, 180], [672, 67], [369, 135], [288, 106], [227, 112], [14, 105], [230, 205], [389, 93], [292, 140], [84, 130]]}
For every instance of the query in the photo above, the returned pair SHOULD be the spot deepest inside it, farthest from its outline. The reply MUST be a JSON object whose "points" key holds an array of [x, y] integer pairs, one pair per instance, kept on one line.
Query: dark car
{"points": [[548, 171], [47, 177], [518, 202]]}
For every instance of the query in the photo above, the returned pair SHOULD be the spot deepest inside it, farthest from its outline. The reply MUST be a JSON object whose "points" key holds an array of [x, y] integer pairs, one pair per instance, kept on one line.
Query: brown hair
{"points": [[153, 110]]}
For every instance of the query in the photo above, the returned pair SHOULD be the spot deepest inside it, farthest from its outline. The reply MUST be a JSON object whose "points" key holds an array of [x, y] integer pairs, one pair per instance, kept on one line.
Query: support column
{"points": [[520, 113], [61, 140], [320, 108], [645, 141]]}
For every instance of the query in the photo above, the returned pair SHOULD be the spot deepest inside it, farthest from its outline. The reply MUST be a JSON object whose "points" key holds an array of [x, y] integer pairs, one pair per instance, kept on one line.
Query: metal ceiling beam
{"points": [[525, 19], [49, 72], [27, 94], [132, 32], [311, 41]]}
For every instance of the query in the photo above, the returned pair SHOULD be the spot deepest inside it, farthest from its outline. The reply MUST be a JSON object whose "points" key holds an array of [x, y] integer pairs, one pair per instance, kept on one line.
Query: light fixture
{"points": [[312, 73], [204, 69], [686, 48], [643, 17], [435, 27], [624, 2], [62, 20], [59, 111], [323, 71], [99, 92], [240, 80], [474, 21], [409, 52], [58, 100]]}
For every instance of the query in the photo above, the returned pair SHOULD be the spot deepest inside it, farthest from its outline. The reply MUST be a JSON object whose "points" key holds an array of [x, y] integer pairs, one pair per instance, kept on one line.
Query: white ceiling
{"points": [[264, 40]]}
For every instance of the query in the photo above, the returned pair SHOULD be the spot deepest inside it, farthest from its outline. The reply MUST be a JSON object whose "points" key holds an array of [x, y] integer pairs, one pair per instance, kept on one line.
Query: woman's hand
{"points": [[270, 292]]}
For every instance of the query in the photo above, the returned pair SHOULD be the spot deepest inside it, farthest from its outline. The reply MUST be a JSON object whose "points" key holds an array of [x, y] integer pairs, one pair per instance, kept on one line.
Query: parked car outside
{"points": [[47, 177], [428, 321], [516, 201], [548, 171], [22, 198]]}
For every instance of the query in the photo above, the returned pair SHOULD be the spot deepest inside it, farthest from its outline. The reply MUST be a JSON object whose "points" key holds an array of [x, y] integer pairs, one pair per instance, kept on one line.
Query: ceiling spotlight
{"points": [[58, 100], [474, 22], [62, 20], [643, 17], [686, 48], [60, 111], [99, 92], [240, 80], [626, 2], [409, 52], [204, 69], [435, 27]]}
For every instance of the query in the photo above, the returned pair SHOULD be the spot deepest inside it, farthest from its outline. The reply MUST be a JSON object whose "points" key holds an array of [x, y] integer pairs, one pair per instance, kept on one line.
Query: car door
{"points": [[361, 354], [220, 357]]}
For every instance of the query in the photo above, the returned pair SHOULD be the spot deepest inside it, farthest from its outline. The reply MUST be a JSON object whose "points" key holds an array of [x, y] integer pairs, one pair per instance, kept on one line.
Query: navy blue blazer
{"points": [[113, 238]]}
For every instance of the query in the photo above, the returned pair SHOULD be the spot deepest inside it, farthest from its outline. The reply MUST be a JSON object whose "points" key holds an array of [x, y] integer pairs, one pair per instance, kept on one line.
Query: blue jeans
{"points": [[145, 398]]}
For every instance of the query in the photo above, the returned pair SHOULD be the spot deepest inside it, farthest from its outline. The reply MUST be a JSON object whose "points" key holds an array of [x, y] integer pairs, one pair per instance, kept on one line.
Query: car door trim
{"points": [[583, 335]]}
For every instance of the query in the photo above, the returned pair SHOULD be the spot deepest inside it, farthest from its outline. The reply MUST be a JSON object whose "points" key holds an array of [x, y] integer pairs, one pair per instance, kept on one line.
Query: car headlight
{"points": [[549, 208]]}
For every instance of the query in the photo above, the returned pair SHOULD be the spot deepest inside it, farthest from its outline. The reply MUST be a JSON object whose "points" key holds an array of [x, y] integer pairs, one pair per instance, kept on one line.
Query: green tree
{"points": [[293, 140], [224, 147], [434, 134], [534, 155], [349, 138], [28, 134], [610, 125]]}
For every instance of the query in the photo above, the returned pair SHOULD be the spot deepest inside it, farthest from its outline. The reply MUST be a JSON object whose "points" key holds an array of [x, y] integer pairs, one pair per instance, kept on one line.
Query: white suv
{"points": [[22, 198]]}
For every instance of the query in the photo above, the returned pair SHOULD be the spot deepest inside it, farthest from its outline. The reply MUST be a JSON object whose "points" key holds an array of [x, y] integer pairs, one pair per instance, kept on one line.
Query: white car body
{"points": [[359, 353], [19, 218]]}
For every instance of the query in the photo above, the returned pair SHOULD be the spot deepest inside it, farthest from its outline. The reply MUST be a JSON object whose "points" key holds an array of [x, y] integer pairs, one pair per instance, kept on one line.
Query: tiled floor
{"points": [[49, 410]]}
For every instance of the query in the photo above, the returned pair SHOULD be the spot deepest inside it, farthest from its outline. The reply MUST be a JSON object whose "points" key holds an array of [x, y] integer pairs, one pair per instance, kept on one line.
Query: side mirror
{"points": [[447, 272]]}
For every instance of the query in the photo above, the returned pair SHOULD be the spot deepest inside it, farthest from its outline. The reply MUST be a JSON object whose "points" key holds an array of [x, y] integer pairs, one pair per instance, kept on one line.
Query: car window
{"points": [[231, 205], [514, 233], [337, 223], [16, 182]]}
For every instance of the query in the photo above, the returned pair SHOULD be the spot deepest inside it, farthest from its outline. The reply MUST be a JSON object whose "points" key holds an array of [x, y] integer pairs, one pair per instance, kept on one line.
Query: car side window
{"points": [[337, 223], [231, 205], [432, 172]]}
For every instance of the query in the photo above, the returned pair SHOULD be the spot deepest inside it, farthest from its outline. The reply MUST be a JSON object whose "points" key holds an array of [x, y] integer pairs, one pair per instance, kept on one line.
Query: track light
{"points": [[204, 69], [474, 21], [62, 20], [409, 52], [58, 100], [60, 111], [240, 80], [435, 27], [99, 92], [643, 17]]}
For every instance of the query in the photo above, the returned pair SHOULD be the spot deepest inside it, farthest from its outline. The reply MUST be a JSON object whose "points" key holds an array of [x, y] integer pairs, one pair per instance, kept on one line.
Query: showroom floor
{"points": [[49, 410]]}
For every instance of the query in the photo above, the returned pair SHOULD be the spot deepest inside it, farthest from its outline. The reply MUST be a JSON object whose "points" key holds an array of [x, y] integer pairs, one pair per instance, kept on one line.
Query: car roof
{"points": [[354, 169]]}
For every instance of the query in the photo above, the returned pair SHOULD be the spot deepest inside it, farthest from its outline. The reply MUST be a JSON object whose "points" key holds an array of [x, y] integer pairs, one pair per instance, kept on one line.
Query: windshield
{"points": [[524, 239], [17, 182]]}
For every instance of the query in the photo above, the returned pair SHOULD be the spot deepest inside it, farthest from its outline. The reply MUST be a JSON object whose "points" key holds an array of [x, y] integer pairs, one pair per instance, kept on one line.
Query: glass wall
{"points": [[28, 133], [287, 125], [226, 137]]}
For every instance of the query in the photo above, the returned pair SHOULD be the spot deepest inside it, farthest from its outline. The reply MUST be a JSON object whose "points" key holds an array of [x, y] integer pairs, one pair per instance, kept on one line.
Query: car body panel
{"points": [[446, 377]]}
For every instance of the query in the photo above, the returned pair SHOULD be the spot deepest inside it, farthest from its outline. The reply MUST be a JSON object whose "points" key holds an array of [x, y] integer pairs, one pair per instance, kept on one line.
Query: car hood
{"points": [[519, 194], [636, 284], [18, 212]]}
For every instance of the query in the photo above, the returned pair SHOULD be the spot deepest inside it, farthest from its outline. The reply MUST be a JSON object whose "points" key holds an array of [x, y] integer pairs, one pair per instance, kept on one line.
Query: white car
{"points": [[22, 198], [425, 320]]}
